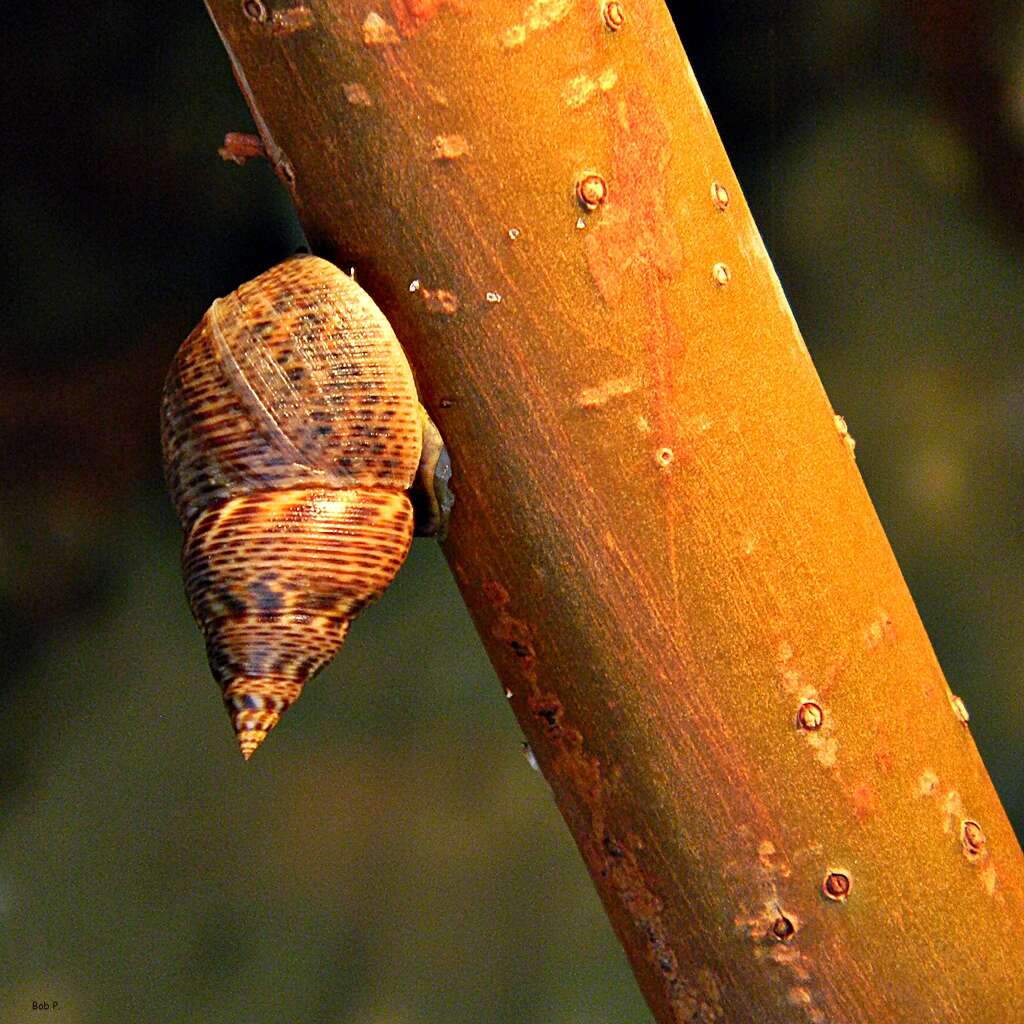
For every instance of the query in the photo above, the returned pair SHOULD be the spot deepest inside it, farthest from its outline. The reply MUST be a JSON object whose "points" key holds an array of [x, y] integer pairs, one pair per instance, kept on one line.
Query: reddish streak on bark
{"points": [[634, 231], [635, 235]]}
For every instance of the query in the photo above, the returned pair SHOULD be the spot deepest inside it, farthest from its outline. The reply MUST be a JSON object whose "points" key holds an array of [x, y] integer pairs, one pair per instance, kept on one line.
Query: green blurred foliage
{"points": [[388, 857]]}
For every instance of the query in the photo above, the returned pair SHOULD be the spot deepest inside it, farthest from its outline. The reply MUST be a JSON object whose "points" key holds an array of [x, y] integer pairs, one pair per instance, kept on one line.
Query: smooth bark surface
{"points": [[660, 529]]}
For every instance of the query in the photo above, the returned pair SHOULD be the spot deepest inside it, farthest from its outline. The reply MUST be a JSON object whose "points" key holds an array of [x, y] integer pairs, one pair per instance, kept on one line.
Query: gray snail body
{"points": [[292, 434]]}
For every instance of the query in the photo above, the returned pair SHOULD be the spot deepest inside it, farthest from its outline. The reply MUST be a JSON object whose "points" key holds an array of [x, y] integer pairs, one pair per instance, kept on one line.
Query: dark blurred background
{"points": [[388, 857]]}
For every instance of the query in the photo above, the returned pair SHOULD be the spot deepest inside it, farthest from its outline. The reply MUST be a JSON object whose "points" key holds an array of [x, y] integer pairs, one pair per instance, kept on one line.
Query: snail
{"points": [[291, 434]]}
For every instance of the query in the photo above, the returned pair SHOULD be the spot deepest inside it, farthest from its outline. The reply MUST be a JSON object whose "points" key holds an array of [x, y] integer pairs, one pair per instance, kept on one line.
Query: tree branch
{"points": [[660, 529]]}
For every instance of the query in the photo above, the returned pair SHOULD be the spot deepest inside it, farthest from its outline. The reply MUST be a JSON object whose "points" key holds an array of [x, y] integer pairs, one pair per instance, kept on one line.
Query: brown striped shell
{"points": [[291, 432]]}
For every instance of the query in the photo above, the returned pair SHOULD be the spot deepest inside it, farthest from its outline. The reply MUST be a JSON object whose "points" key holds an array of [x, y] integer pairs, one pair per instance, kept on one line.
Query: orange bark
{"points": [[660, 528]]}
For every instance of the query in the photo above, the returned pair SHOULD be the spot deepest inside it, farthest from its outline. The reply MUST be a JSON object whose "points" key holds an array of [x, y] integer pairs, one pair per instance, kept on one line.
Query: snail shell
{"points": [[291, 432]]}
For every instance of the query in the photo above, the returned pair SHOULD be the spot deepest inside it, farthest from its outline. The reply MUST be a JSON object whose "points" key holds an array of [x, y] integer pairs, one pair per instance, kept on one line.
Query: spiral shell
{"points": [[291, 432]]}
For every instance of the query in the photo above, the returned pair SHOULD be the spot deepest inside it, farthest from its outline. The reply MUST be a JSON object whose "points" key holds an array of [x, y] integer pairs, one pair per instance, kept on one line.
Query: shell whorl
{"points": [[290, 431]]}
